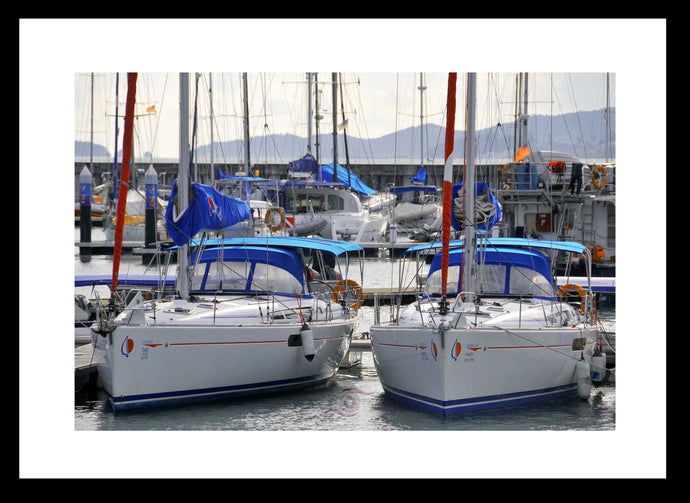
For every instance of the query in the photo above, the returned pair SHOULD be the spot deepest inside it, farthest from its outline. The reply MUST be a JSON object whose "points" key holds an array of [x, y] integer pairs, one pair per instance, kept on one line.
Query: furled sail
{"points": [[487, 209], [208, 210]]}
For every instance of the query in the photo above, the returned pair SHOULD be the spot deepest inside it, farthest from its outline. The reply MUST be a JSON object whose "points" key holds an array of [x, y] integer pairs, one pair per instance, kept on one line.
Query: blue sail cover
{"points": [[420, 177], [355, 182], [306, 164], [481, 187], [208, 210]]}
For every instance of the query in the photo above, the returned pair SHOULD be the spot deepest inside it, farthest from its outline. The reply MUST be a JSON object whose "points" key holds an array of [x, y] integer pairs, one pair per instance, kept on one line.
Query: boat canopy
{"points": [[248, 269], [541, 244], [208, 209], [413, 188], [222, 176], [504, 271], [327, 245]]}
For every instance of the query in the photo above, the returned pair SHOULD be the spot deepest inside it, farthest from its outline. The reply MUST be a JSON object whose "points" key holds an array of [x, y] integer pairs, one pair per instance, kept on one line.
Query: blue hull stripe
{"points": [[202, 394], [464, 405]]}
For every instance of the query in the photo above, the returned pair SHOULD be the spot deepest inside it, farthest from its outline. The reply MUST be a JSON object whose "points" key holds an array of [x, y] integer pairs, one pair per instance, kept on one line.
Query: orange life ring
{"points": [[566, 289], [599, 176], [339, 289], [270, 218]]}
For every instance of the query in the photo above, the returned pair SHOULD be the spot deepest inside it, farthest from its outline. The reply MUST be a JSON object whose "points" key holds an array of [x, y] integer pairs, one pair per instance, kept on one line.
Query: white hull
{"points": [[474, 369], [166, 364]]}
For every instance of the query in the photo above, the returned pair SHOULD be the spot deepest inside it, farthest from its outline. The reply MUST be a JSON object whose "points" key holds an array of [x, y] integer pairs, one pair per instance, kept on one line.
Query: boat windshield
{"points": [[500, 272], [495, 279], [243, 276], [248, 269]]}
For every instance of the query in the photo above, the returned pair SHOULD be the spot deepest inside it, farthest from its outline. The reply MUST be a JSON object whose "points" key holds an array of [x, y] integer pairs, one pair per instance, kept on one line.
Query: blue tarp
{"points": [[355, 182], [481, 187], [222, 176], [413, 188], [208, 210], [420, 177], [308, 164]]}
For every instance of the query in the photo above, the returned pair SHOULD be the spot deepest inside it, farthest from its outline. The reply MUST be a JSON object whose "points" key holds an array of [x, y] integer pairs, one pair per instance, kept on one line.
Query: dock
{"points": [[85, 371]]}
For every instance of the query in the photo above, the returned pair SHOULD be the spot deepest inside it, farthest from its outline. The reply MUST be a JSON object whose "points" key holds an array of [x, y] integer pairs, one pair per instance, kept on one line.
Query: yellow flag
{"points": [[152, 108]]}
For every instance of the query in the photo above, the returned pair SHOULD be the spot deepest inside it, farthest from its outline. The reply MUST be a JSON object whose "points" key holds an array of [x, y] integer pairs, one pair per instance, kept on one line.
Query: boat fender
{"points": [[582, 376], [307, 337], [598, 367]]}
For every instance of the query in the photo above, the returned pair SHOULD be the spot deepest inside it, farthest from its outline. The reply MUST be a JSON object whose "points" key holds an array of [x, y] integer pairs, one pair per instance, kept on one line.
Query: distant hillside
{"points": [[582, 134]]}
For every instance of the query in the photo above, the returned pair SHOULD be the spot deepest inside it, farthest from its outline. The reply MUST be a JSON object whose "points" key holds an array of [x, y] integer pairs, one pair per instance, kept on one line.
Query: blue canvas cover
{"points": [[527, 243], [420, 177], [355, 182], [208, 210], [306, 164], [481, 187], [293, 242]]}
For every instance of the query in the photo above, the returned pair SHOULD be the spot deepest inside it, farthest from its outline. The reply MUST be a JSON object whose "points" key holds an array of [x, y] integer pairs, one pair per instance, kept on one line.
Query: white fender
{"points": [[584, 382], [307, 342], [598, 367]]}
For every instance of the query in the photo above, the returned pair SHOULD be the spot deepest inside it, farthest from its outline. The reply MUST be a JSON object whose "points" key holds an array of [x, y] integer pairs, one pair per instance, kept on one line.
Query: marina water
{"points": [[353, 400]]}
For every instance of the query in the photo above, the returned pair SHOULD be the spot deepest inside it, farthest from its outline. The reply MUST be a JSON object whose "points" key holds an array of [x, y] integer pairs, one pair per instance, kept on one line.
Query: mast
{"points": [[124, 178], [247, 161], [469, 188], [210, 99], [183, 181], [91, 142], [309, 112], [317, 117], [344, 126], [115, 177], [447, 187], [334, 87], [421, 88]]}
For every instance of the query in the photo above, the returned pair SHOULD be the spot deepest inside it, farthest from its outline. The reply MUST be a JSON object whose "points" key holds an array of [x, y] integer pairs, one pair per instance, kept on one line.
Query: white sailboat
{"points": [[252, 315], [489, 331]]}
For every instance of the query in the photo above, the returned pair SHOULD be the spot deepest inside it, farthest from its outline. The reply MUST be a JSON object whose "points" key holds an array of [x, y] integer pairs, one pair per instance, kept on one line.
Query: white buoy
{"points": [[598, 367], [584, 382], [307, 342]]}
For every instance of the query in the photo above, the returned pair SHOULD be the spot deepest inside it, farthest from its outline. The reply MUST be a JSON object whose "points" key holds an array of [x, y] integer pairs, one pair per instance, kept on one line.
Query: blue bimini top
{"points": [[249, 269], [513, 271]]}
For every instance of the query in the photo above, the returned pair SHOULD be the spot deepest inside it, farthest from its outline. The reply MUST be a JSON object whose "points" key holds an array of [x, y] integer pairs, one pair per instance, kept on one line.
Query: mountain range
{"points": [[581, 134]]}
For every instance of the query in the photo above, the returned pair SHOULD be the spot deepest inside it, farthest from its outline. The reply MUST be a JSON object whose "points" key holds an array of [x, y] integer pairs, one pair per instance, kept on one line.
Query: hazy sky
{"points": [[376, 103]]}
